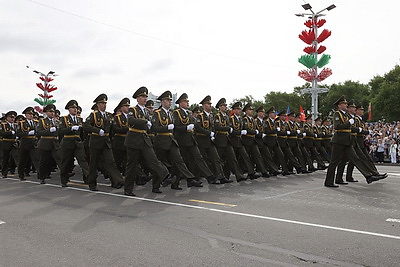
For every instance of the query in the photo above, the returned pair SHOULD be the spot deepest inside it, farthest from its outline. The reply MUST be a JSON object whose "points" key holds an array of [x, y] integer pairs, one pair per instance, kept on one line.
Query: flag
{"points": [[302, 115], [370, 111], [287, 112]]}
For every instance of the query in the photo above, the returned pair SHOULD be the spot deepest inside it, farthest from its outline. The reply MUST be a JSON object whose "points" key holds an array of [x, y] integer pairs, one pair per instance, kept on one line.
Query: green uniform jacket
{"points": [[292, 137], [120, 130], [27, 141], [364, 131], [164, 138], [181, 120], [204, 126], [282, 135], [9, 139], [93, 124], [236, 136], [70, 138], [48, 140], [222, 129], [271, 137], [250, 126], [342, 126], [137, 137], [309, 137]]}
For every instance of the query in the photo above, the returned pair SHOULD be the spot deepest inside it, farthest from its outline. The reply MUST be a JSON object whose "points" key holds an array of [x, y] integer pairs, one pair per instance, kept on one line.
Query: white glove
{"points": [[257, 132], [298, 131], [278, 129], [53, 129], [288, 132], [212, 134], [212, 138], [304, 134], [264, 135], [190, 127], [171, 126], [31, 132], [12, 132], [243, 132], [230, 130], [315, 135], [149, 124], [101, 132], [359, 129], [75, 128], [351, 121]]}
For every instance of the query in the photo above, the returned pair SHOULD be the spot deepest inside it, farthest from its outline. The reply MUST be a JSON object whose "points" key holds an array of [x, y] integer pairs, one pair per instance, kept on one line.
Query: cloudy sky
{"points": [[225, 48]]}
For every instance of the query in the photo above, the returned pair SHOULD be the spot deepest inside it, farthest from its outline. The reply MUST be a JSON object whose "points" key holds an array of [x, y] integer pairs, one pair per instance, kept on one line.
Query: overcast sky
{"points": [[225, 48]]}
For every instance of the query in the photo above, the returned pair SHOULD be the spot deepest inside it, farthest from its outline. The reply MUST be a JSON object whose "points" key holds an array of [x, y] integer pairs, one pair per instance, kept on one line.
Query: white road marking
{"points": [[393, 220], [395, 174], [224, 211], [1, 222]]}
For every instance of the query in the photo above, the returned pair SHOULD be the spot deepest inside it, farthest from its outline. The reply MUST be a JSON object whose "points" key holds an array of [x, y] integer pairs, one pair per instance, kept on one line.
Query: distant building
{"points": [[157, 103]]}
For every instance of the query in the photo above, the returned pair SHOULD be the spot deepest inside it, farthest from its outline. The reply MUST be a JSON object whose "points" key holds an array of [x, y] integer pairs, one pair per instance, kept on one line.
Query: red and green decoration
{"points": [[310, 60], [47, 88]]}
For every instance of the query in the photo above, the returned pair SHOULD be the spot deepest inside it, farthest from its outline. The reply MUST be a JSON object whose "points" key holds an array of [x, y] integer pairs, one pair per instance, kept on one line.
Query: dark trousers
{"points": [[212, 158], [195, 161], [120, 159], [26, 157], [244, 158], [173, 157], [278, 155], [68, 155], [255, 154], [267, 157], [9, 154], [294, 148], [46, 157], [342, 153], [227, 154], [105, 157], [133, 157]]}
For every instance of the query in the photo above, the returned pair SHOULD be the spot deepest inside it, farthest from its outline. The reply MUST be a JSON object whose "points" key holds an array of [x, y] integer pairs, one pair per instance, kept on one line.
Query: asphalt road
{"points": [[280, 221]]}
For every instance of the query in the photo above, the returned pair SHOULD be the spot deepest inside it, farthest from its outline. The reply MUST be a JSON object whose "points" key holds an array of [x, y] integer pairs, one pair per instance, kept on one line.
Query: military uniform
{"points": [[224, 147], [237, 143], [8, 132], [271, 140], [250, 143], [318, 135], [293, 132], [184, 134], [165, 144], [283, 132], [300, 143], [264, 150], [342, 146], [205, 134], [72, 145], [310, 145], [120, 130], [48, 145], [99, 125], [27, 152], [326, 137], [139, 147]]}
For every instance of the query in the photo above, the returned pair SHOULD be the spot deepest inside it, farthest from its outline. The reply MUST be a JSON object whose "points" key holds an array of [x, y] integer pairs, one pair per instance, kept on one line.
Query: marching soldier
{"points": [[293, 132], [48, 145], [300, 143], [271, 140], [365, 167], [264, 150], [283, 132], [28, 141], [8, 132], [165, 144], [150, 110], [309, 143], [205, 135], [326, 135], [139, 146], [71, 143], [236, 121], [120, 129], [249, 139], [98, 125], [342, 148], [222, 142], [184, 134], [318, 135]]}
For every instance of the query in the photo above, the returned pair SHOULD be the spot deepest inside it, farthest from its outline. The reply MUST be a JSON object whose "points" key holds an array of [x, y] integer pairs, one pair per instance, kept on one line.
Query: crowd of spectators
{"points": [[383, 141]]}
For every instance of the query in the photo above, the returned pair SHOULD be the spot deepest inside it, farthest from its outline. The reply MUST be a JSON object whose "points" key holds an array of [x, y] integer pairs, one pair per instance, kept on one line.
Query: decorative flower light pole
{"points": [[310, 60], [47, 88]]}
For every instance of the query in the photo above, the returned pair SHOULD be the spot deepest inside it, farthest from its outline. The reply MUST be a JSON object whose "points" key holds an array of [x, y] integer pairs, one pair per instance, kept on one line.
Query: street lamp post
{"points": [[311, 60]]}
